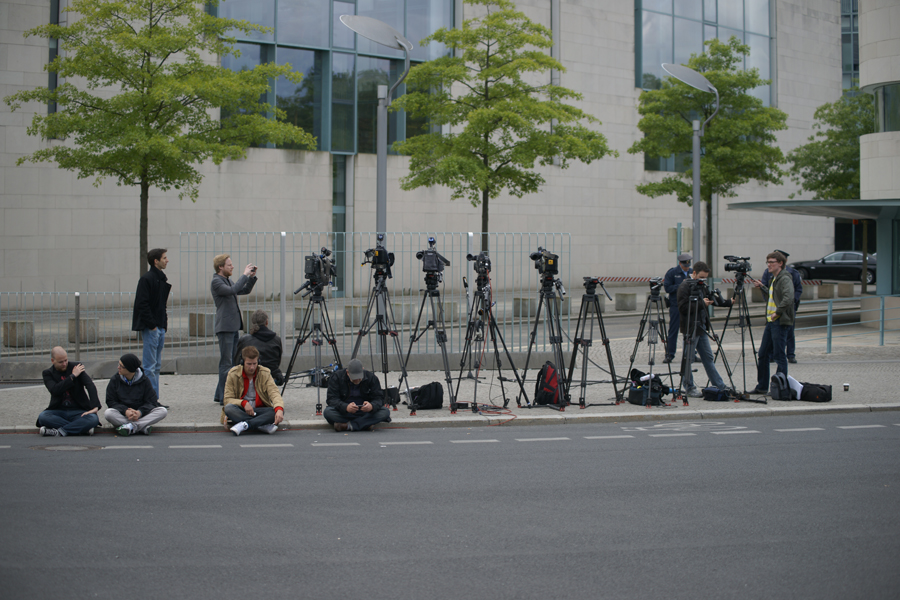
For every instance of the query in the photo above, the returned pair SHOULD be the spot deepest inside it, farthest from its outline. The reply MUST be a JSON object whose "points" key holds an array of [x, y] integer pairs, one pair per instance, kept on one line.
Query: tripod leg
{"points": [[585, 350], [512, 365], [330, 337], [364, 327], [537, 320], [440, 335], [302, 336], [412, 340], [609, 356], [467, 346], [555, 330], [576, 344], [393, 331]]}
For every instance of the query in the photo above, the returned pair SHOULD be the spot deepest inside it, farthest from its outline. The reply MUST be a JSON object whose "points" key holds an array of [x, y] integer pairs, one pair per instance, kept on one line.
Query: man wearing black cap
{"points": [[671, 282], [355, 400], [132, 403], [790, 351]]}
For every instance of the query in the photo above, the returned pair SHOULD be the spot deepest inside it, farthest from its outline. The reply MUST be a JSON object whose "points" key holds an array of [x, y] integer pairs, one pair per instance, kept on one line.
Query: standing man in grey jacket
{"points": [[228, 313]]}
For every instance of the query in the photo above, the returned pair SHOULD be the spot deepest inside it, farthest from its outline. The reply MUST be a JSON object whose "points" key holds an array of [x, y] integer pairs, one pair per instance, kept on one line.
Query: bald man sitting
{"points": [[74, 403]]}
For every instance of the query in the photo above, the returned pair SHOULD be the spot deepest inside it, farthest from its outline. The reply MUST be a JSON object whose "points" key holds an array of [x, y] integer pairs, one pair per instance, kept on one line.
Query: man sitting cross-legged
{"points": [[355, 400], [73, 398], [133, 406], [252, 400]]}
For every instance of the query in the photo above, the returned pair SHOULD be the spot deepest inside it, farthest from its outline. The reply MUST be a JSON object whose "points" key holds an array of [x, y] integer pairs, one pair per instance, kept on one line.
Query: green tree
{"points": [[139, 96], [500, 119], [738, 144], [828, 166]]}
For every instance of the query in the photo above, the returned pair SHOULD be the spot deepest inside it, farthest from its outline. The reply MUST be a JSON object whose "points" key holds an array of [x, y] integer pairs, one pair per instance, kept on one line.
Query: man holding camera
{"points": [[790, 349], [672, 281], [779, 320], [228, 313], [695, 288], [355, 400]]}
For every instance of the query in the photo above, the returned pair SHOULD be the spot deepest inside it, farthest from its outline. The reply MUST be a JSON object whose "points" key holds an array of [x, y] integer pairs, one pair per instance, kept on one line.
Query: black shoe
{"points": [[792, 360], [668, 359], [759, 391]]}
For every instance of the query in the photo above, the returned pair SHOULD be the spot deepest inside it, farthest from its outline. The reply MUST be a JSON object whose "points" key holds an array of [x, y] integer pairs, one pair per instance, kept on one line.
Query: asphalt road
{"points": [[779, 507]]}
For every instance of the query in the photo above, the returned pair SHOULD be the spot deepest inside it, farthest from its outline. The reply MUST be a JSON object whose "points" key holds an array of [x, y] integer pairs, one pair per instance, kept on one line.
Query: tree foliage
{"points": [[499, 118], [828, 166], [140, 92]]}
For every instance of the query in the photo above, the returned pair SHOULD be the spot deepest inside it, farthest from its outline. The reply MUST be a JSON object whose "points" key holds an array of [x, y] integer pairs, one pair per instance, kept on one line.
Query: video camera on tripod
{"points": [[433, 262], [738, 264], [318, 270], [655, 285], [482, 262], [700, 290], [545, 261], [380, 259]]}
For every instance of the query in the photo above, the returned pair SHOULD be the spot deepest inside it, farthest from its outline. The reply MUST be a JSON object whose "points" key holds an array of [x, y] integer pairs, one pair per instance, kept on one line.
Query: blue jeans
{"points": [[264, 415], [70, 422], [359, 420], [153, 347], [773, 342], [227, 341], [703, 348]]}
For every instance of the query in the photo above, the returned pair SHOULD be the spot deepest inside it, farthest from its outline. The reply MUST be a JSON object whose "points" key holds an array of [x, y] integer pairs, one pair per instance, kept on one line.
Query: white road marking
{"points": [[267, 445], [731, 432], [607, 437], [472, 441], [334, 444], [5, 446], [127, 447], [860, 426], [403, 443], [671, 434], [554, 439], [802, 429], [199, 446]]}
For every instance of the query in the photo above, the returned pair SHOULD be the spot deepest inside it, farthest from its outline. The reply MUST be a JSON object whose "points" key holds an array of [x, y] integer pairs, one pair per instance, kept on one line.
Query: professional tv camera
{"points": [[318, 270], [738, 264], [655, 285], [482, 263], [380, 259], [699, 289], [432, 261], [545, 262]]}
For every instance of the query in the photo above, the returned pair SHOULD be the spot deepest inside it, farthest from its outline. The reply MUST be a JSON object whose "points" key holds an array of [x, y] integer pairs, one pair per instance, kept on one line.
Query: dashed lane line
{"points": [[473, 441], [607, 437], [404, 443], [801, 429], [314, 444], [550, 439], [733, 432], [4, 447], [860, 426], [671, 434], [267, 445], [127, 447], [197, 446]]}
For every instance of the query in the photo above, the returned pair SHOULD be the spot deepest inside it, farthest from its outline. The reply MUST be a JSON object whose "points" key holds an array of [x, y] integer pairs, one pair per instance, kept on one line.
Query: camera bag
{"points": [[430, 396], [714, 394], [643, 393], [780, 389], [815, 392], [546, 389]]}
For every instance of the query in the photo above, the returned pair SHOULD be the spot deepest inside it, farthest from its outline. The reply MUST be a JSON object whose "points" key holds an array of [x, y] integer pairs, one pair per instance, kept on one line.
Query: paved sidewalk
{"points": [[871, 371]]}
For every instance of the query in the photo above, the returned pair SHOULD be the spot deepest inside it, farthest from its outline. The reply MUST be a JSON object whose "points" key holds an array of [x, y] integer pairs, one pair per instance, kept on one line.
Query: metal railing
{"points": [[874, 321]]}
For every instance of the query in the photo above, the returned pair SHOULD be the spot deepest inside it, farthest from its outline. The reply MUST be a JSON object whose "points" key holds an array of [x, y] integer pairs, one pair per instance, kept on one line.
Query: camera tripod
{"points": [[657, 332], [481, 315], [430, 293], [590, 301], [550, 302], [385, 325], [317, 311], [743, 318]]}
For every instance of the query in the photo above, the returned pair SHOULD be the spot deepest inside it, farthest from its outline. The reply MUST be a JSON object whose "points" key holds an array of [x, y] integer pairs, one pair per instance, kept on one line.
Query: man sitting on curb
{"points": [[74, 403], [133, 406], [252, 399], [355, 400]]}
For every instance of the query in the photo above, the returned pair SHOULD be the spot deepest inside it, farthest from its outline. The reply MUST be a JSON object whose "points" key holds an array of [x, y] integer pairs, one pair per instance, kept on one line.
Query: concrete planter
{"points": [[18, 334], [201, 324], [88, 331]]}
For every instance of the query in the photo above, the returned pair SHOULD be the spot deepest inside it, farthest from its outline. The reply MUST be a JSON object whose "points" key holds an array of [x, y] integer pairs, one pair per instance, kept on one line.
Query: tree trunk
{"points": [[145, 201], [484, 220]]}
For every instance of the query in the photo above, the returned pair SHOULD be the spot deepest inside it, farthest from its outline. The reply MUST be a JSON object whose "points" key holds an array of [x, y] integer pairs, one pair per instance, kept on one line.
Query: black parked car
{"points": [[845, 266]]}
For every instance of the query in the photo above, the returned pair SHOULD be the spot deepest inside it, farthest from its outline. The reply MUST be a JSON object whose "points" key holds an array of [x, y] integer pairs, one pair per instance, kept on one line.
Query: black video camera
{"points": [[738, 264], [432, 261], [699, 289], [545, 262], [656, 284], [380, 259], [482, 263], [318, 270]]}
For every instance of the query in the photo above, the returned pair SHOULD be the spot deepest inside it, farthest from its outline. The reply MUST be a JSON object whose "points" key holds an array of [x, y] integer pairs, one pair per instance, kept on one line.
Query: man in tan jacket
{"points": [[252, 400]]}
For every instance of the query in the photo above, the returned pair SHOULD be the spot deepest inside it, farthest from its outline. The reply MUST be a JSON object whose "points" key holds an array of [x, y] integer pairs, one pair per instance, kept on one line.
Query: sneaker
{"points": [[90, 431], [668, 359], [240, 428], [694, 393], [341, 427], [125, 430], [146, 430], [49, 431], [270, 428]]}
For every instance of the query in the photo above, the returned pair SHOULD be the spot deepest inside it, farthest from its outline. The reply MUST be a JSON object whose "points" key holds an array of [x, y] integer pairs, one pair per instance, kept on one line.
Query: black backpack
{"points": [[642, 394], [815, 392], [429, 396], [546, 389], [780, 389]]}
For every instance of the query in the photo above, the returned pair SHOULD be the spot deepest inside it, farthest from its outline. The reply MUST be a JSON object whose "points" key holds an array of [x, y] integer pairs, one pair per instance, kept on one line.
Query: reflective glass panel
{"points": [[300, 22], [688, 39], [709, 32], [847, 52], [757, 13], [725, 34], [709, 10], [251, 55], [660, 5], [342, 35], [657, 48], [424, 17], [692, 9], [342, 96], [370, 73], [731, 14], [386, 11], [302, 101], [890, 118], [258, 12], [759, 59]]}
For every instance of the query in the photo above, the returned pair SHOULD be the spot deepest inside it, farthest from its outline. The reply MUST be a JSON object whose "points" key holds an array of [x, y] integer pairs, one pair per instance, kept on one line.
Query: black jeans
{"points": [[359, 420]]}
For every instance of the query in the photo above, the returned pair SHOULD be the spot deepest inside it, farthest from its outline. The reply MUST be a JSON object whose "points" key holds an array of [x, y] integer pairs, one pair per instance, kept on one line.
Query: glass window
{"points": [[372, 72], [300, 22], [386, 11], [342, 101], [709, 32], [660, 5], [889, 109], [759, 59], [757, 13], [688, 40], [251, 55], [731, 14], [657, 48], [709, 11], [847, 52], [725, 34], [342, 35], [424, 17], [302, 101], [258, 12], [693, 9]]}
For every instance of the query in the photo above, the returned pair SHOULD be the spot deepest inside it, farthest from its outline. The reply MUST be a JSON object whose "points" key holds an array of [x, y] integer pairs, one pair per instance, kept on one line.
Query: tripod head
{"points": [[655, 285], [590, 286]]}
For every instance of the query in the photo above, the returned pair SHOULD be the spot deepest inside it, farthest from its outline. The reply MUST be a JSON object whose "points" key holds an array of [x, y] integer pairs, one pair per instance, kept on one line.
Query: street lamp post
{"points": [[699, 82], [381, 33]]}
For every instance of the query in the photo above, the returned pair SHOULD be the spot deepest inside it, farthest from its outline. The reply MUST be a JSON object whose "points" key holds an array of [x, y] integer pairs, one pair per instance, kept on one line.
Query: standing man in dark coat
{"points": [[266, 341], [228, 313], [672, 280], [73, 398], [355, 400], [150, 316], [791, 347], [131, 400]]}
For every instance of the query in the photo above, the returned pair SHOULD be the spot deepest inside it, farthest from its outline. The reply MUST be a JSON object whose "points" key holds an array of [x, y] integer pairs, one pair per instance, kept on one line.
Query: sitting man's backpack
{"points": [[430, 396], [780, 389], [546, 389]]}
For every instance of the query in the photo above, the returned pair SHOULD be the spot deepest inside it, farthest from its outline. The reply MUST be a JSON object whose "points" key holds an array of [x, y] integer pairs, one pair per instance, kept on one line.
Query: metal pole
{"points": [[695, 168], [828, 325], [381, 162], [881, 326], [78, 326], [283, 291]]}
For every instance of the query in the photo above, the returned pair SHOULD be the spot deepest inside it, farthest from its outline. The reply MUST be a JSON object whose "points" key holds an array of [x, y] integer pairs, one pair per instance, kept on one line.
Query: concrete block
{"points": [[845, 290], [626, 301], [18, 334], [871, 312], [808, 293], [201, 324], [527, 306], [88, 331], [826, 291]]}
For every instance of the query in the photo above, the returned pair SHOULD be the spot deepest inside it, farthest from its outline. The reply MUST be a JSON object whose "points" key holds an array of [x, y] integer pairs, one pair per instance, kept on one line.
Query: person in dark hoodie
{"points": [[355, 400], [149, 315], [266, 341], [133, 406], [73, 398]]}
